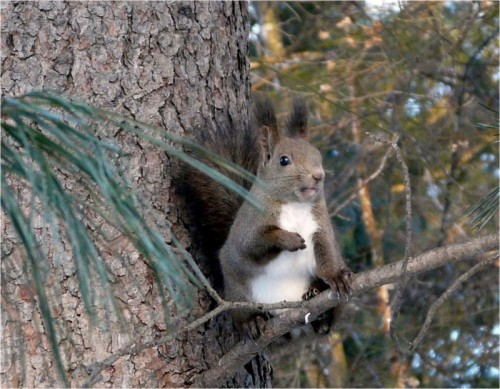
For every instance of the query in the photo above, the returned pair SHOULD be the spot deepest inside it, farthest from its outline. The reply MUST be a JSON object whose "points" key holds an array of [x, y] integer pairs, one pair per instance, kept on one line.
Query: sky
{"points": [[375, 6]]}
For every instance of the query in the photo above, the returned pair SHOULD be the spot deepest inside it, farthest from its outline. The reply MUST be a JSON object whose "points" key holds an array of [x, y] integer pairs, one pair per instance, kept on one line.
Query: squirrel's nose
{"points": [[318, 174]]}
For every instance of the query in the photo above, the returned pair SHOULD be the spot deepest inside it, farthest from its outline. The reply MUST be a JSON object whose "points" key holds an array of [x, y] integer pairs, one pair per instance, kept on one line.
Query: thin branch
{"points": [[382, 93], [132, 348], [445, 296], [245, 350], [365, 182], [283, 323], [199, 274], [402, 282], [397, 301], [96, 368], [279, 325]]}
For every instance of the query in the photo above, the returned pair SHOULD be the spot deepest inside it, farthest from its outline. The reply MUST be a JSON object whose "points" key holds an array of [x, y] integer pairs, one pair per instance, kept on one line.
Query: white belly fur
{"points": [[286, 278]]}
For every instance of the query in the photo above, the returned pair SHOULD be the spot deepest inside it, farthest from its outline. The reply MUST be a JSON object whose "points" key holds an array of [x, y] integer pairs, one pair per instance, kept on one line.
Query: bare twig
{"points": [[402, 282], [365, 182], [199, 274], [396, 302], [132, 348], [246, 349], [283, 323], [445, 296]]}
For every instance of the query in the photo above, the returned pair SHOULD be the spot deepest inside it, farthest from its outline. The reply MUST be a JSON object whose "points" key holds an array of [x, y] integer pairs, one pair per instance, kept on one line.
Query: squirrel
{"points": [[288, 251]]}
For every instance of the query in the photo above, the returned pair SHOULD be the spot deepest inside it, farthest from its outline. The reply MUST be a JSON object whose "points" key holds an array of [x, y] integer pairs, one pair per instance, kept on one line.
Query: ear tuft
{"points": [[263, 111], [297, 121]]}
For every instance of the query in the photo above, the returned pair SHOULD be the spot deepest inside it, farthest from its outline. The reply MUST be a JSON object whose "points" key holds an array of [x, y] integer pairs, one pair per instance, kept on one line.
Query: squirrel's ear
{"points": [[268, 137], [297, 121], [264, 114]]}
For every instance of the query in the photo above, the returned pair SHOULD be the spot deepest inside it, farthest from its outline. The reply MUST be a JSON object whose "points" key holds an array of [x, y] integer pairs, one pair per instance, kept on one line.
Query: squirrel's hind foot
{"points": [[340, 283]]}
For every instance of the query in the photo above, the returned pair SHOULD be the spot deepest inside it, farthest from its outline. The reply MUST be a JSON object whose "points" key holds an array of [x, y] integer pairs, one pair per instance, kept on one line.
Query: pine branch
{"points": [[301, 311], [246, 349]]}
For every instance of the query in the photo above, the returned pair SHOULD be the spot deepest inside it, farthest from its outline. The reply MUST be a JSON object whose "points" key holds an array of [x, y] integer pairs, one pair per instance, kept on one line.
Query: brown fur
{"points": [[255, 238], [249, 239]]}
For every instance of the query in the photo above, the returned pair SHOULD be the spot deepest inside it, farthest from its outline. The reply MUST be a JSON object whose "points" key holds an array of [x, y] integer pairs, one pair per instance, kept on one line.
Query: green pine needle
{"points": [[45, 136], [484, 210]]}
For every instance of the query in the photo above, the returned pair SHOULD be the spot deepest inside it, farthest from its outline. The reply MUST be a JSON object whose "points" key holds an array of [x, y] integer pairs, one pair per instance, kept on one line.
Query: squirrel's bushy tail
{"points": [[211, 205]]}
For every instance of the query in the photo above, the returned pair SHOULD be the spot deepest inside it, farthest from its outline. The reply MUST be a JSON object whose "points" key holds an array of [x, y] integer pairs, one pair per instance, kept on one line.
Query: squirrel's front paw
{"points": [[341, 282], [291, 241]]}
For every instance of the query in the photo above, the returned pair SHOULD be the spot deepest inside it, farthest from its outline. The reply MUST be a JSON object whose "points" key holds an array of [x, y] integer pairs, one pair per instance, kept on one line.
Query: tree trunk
{"points": [[181, 66]]}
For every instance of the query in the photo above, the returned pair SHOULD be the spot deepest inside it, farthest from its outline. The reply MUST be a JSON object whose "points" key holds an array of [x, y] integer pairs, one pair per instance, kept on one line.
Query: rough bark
{"points": [[181, 66]]}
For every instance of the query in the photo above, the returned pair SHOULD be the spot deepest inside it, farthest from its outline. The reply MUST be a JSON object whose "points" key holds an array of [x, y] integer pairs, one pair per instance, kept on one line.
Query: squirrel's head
{"points": [[289, 165]]}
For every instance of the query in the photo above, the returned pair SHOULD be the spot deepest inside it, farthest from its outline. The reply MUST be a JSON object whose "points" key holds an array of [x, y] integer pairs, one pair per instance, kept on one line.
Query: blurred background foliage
{"points": [[428, 73]]}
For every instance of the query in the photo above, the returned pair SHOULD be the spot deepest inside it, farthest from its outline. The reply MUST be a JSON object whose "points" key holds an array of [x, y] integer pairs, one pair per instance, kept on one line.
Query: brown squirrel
{"points": [[287, 252]]}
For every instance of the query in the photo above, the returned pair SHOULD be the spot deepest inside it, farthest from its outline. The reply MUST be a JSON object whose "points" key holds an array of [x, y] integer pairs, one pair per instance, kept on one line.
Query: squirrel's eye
{"points": [[284, 160]]}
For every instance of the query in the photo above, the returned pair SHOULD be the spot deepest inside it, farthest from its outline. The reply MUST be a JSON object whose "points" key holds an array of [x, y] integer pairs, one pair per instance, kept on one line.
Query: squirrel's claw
{"points": [[346, 275], [313, 292], [341, 283]]}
